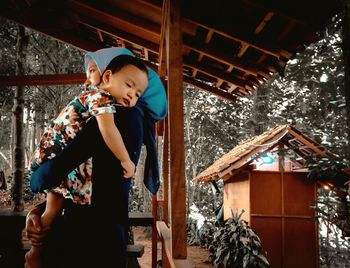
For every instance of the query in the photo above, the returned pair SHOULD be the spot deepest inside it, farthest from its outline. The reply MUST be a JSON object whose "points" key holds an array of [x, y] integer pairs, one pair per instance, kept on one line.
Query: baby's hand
{"points": [[129, 168]]}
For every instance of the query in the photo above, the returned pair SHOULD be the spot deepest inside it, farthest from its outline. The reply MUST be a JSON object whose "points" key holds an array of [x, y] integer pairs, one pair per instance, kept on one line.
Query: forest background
{"points": [[308, 95]]}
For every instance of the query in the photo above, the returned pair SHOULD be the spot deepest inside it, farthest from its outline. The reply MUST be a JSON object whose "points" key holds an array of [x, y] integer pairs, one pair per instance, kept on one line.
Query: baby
{"points": [[121, 84]]}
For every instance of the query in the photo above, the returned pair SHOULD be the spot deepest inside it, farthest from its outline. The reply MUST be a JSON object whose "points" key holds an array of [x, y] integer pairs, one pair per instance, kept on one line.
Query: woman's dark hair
{"points": [[121, 61]]}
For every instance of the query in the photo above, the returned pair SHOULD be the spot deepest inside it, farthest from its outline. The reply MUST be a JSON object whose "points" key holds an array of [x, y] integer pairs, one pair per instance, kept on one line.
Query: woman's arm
{"points": [[114, 141], [86, 144]]}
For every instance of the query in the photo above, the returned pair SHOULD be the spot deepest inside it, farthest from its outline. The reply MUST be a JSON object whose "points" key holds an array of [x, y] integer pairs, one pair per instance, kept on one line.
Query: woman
{"points": [[107, 216]]}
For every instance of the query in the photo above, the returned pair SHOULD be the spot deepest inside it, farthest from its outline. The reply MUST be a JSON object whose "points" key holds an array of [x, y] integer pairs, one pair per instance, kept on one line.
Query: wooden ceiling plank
{"points": [[243, 91], [119, 19], [231, 89], [145, 54], [162, 41], [194, 73], [36, 80], [286, 30], [207, 41], [121, 35], [37, 23], [265, 47], [276, 11], [263, 23], [212, 90], [120, 42], [100, 36], [219, 83], [209, 36], [214, 73], [244, 47], [217, 55]]}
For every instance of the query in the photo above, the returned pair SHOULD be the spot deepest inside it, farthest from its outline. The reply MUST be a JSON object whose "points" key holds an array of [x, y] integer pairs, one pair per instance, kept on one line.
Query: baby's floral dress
{"points": [[77, 186]]}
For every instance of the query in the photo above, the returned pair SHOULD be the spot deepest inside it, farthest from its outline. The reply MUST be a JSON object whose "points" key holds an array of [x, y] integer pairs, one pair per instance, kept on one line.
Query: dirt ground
{"points": [[197, 256]]}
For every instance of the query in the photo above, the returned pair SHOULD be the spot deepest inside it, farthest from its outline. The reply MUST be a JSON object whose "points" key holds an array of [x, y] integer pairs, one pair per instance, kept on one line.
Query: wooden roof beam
{"points": [[210, 89], [281, 9], [263, 23], [237, 63], [120, 34], [162, 41], [214, 73], [66, 36], [265, 47], [119, 19], [244, 47], [254, 42], [100, 36], [47, 79]]}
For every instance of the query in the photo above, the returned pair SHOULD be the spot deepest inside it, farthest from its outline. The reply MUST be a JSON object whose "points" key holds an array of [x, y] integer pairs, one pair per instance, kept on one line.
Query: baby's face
{"points": [[127, 85], [92, 74]]}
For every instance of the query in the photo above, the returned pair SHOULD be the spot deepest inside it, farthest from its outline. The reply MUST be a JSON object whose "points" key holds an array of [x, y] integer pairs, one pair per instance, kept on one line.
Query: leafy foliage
{"points": [[331, 169], [202, 237], [235, 244], [310, 94], [334, 247]]}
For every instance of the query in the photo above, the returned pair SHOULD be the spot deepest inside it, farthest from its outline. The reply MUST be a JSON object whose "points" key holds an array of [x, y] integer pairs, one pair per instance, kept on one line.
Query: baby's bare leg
{"points": [[54, 206]]}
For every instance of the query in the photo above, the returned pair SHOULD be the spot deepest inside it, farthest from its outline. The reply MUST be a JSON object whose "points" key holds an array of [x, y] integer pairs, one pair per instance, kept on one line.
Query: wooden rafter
{"points": [[214, 73], [263, 46], [263, 23], [48, 79], [210, 89], [120, 34], [119, 19], [205, 49]]}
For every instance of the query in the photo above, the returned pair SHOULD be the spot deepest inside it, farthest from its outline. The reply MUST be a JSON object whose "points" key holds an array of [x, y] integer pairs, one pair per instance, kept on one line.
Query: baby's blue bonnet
{"points": [[153, 101]]}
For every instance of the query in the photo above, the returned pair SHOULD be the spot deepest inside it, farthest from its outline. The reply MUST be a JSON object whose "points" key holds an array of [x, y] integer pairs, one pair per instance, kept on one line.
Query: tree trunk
{"points": [[258, 112], [17, 191], [346, 57]]}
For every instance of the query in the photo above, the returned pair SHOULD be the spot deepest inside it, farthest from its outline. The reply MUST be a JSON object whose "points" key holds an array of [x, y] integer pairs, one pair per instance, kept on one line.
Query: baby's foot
{"points": [[33, 258]]}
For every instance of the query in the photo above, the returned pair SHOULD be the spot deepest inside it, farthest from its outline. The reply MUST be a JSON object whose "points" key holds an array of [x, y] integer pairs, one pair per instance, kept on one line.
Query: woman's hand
{"points": [[129, 168], [35, 232]]}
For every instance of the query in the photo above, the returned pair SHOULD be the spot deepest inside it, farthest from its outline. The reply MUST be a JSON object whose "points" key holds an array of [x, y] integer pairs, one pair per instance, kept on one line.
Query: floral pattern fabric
{"points": [[77, 186]]}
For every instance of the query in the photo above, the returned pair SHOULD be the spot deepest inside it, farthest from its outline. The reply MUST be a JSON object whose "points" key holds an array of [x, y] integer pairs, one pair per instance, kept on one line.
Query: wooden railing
{"points": [[167, 259]]}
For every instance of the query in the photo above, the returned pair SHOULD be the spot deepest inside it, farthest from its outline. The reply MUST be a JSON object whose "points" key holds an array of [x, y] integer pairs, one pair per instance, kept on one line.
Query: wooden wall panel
{"points": [[236, 196], [265, 193], [299, 193], [270, 232], [284, 226], [300, 246]]}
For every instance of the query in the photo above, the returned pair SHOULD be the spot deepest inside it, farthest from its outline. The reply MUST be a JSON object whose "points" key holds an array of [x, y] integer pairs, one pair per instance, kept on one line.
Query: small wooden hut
{"points": [[276, 198]]}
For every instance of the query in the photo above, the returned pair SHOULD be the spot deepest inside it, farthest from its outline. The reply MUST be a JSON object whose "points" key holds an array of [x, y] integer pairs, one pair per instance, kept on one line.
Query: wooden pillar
{"points": [[177, 197], [154, 231], [162, 69]]}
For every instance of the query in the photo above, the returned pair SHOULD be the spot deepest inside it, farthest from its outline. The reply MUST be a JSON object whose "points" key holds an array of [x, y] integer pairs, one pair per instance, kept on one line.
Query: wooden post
{"points": [[166, 173], [154, 231], [162, 73], [176, 132]]}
